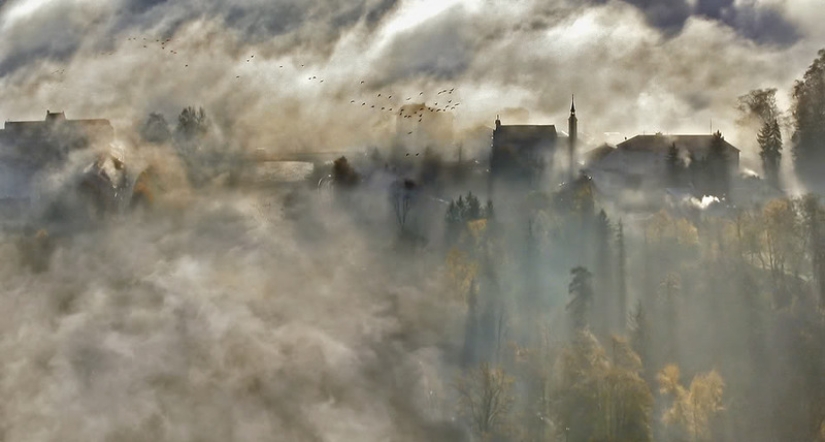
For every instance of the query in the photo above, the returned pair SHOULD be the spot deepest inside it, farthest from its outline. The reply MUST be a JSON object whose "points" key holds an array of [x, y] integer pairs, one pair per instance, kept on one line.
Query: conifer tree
{"points": [[468, 353], [770, 150], [674, 166], [718, 168], [809, 124], [621, 276], [581, 297]]}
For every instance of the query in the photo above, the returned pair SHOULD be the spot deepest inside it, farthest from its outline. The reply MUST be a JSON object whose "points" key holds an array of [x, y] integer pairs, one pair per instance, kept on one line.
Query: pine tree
{"points": [[770, 150], [621, 276], [640, 340], [718, 167], [473, 207], [468, 353], [604, 309], [581, 297], [813, 218], [809, 122], [674, 166]]}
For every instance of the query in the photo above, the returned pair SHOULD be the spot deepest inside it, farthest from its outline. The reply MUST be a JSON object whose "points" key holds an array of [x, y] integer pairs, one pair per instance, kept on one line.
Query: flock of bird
{"points": [[406, 108]]}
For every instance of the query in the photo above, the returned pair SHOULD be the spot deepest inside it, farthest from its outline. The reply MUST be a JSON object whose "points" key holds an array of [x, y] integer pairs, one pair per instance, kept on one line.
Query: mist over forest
{"points": [[412, 220]]}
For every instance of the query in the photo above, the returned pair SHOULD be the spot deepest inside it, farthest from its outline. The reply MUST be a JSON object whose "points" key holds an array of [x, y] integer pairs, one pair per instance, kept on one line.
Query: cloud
{"points": [[751, 19], [634, 66]]}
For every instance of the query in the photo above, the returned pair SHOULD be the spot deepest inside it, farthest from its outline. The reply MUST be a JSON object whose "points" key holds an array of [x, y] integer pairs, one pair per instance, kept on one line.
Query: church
{"points": [[521, 154]]}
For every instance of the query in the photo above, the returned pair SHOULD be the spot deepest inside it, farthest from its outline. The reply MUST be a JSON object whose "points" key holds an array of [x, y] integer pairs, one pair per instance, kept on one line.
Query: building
{"points": [[28, 147], [41, 142], [522, 153], [643, 163]]}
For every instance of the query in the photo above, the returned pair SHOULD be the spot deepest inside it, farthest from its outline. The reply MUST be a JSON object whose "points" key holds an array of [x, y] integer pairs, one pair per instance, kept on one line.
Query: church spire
{"points": [[572, 138]]}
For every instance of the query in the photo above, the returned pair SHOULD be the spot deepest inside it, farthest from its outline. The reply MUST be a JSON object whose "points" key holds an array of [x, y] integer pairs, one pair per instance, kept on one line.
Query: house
{"points": [[651, 162], [42, 142], [521, 153], [28, 147]]}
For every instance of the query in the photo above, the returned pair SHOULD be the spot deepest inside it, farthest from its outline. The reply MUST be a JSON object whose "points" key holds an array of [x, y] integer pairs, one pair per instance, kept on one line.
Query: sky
{"points": [[284, 74]]}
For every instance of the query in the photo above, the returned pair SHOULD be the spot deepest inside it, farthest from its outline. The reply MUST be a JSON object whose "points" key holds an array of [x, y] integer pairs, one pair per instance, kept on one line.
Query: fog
{"points": [[405, 292]]}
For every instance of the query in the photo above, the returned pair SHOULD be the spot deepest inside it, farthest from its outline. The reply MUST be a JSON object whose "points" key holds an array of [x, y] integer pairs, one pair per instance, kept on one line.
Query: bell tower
{"points": [[572, 134]]}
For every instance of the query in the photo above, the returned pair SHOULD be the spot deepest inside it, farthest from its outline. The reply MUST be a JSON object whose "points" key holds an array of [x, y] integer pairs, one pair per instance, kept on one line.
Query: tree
{"points": [[192, 123], [669, 291], [813, 219], [640, 341], [581, 296], [718, 167], [468, 355], [808, 111], [485, 398], [604, 309], [674, 166], [155, 129], [759, 105], [693, 408], [621, 276], [601, 397], [344, 175], [473, 207], [402, 194], [770, 150]]}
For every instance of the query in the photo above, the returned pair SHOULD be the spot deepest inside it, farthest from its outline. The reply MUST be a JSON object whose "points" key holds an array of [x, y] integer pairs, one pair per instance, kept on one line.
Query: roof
{"points": [[699, 145], [598, 153], [526, 132]]}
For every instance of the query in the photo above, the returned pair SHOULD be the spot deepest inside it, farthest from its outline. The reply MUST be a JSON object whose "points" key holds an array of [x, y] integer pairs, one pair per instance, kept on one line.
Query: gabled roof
{"points": [[598, 153], [698, 145], [526, 132]]}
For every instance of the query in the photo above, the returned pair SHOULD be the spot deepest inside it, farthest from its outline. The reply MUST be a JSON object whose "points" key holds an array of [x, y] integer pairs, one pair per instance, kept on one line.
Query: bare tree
{"points": [[402, 197], [485, 398]]}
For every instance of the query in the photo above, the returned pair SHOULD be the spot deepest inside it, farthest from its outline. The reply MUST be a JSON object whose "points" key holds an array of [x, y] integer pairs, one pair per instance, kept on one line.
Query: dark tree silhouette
{"points": [[469, 350], [621, 276], [770, 150], [604, 308], [343, 174], [718, 167], [809, 121], [192, 123], [581, 296], [402, 194], [155, 129], [759, 105], [674, 166]]}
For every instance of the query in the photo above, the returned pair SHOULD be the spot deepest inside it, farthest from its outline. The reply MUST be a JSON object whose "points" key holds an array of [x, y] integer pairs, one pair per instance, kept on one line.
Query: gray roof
{"points": [[698, 145], [524, 132]]}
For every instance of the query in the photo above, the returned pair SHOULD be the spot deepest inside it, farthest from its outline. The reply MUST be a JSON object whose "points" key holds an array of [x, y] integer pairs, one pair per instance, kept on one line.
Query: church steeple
{"points": [[573, 136]]}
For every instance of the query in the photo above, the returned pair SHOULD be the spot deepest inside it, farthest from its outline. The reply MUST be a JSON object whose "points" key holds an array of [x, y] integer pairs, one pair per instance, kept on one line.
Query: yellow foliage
{"points": [[664, 228], [461, 272], [477, 228], [692, 407]]}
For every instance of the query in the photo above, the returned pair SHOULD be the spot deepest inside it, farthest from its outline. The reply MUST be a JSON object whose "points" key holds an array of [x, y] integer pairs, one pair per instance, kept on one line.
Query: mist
{"points": [[300, 231]]}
